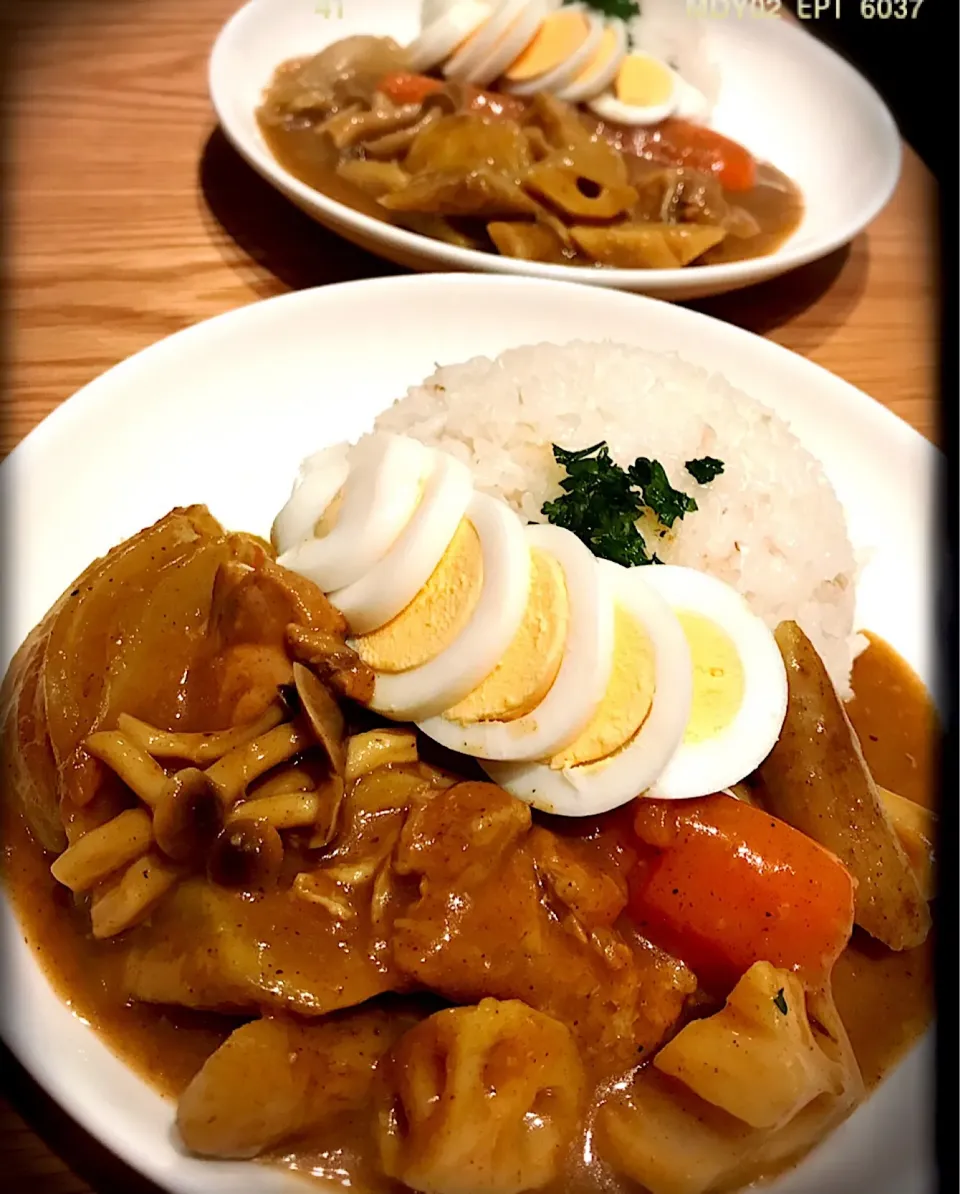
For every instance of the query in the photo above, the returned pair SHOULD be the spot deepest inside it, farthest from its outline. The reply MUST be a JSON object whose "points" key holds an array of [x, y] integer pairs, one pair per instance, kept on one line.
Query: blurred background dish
{"points": [[777, 92]]}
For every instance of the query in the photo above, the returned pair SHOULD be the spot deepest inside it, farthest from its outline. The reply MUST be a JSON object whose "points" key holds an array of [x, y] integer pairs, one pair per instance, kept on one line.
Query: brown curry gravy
{"points": [[885, 999], [774, 202]]}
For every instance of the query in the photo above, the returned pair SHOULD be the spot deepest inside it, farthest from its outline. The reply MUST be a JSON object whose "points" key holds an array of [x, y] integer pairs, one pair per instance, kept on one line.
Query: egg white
{"points": [[580, 684], [580, 90], [699, 769], [594, 788], [393, 582], [511, 45], [381, 492], [445, 33], [608, 107], [470, 56], [564, 72], [427, 690], [321, 478]]}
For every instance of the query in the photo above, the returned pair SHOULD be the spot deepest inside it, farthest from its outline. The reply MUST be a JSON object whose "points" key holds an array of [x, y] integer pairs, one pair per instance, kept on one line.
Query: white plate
{"points": [[784, 95], [223, 412]]}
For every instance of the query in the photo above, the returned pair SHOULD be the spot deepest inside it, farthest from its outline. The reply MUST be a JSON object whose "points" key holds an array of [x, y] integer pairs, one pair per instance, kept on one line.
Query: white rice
{"points": [[771, 525]]}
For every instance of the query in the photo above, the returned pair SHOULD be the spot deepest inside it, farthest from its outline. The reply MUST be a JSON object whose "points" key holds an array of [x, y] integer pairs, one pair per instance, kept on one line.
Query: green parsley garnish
{"points": [[667, 503], [624, 10], [780, 1003], [599, 506], [705, 469], [601, 502]]}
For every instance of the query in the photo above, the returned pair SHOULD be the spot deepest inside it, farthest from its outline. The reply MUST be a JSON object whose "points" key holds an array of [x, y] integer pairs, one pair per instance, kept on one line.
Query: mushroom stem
{"points": [[231, 774], [137, 770]]}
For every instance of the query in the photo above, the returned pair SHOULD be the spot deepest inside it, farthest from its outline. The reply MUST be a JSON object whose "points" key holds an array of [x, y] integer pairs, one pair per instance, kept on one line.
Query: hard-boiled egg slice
{"points": [[647, 91], [392, 583], [321, 478], [512, 43], [382, 490], [739, 686], [601, 70], [444, 35], [642, 715], [421, 669], [483, 42], [547, 687], [566, 42]]}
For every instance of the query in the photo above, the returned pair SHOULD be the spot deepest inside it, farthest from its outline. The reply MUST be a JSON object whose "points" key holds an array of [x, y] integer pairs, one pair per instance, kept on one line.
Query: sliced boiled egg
{"points": [[639, 723], [739, 686], [321, 478], [600, 70], [550, 682], [443, 644], [383, 487], [446, 33], [394, 581], [566, 41], [515, 39], [646, 92], [479, 45]]}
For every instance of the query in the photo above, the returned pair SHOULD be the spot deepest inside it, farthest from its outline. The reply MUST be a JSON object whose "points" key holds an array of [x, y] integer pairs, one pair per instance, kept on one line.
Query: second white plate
{"points": [[784, 96]]}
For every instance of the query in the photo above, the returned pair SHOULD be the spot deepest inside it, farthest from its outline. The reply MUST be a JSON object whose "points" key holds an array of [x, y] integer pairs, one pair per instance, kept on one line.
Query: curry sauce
{"points": [[885, 998]]}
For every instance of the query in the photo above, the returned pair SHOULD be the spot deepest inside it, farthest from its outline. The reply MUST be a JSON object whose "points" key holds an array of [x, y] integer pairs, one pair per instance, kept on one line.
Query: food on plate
{"points": [[503, 821], [573, 134]]}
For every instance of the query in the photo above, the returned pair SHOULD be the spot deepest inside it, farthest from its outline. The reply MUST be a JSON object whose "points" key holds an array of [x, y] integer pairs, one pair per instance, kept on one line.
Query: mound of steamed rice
{"points": [[771, 526]]}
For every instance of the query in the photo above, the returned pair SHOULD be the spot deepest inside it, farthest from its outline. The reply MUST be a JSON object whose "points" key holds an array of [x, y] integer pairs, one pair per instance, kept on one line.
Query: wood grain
{"points": [[129, 217]]}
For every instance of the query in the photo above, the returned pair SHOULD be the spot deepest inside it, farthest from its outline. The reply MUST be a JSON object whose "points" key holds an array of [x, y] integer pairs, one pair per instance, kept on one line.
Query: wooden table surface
{"points": [[129, 217]]}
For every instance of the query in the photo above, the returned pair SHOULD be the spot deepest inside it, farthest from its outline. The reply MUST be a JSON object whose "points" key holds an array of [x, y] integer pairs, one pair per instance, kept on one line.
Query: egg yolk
{"points": [[625, 704], [525, 675], [644, 82], [559, 38], [718, 678], [438, 613], [328, 519], [605, 51]]}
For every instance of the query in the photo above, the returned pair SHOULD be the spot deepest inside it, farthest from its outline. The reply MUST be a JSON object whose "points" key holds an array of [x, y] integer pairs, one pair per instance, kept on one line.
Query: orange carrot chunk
{"points": [[721, 885], [405, 88]]}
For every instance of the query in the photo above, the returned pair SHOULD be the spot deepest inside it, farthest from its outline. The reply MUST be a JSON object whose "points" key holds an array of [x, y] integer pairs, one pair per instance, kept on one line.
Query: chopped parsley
{"points": [[669, 504], [780, 1002], [704, 470], [599, 505], [624, 10], [601, 502]]}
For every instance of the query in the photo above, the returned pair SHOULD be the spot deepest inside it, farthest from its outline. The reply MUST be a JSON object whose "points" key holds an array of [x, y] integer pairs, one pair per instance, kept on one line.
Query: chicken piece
{"points": [[594, 897], [218, 950], [647, 246], [482, 927], [481, 192], [559, 122], [345, 73], [458, 144], [274, 1079], [815, 778], [336, 664], [247, 657], [356, 126]]}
